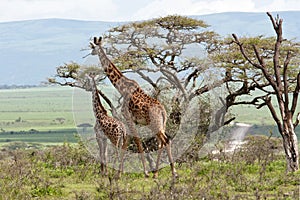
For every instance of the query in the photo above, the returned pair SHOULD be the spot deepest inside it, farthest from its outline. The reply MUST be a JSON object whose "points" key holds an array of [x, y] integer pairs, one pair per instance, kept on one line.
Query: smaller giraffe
{"points": [[113, 129], [102, 144]]}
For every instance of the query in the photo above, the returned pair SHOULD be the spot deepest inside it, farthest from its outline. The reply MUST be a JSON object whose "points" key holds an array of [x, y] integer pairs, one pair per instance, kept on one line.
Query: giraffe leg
{"points": [[169, 152], [141, 152], [151, 162], [136, 138], [123, 150], [155, 172], [104, 150], [161, 145]]}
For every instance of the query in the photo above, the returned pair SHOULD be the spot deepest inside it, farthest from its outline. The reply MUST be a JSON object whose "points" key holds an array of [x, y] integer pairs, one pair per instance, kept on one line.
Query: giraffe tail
{"points": [[163, 139]]}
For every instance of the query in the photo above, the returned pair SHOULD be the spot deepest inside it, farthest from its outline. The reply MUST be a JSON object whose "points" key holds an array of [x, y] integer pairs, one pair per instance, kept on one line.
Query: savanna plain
{"points": [[42, 157]]}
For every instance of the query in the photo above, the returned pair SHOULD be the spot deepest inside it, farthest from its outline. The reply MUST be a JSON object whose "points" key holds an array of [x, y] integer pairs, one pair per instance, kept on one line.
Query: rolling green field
{"points": [[37, 115], [51, 114], [38, 108], [47, 115]]}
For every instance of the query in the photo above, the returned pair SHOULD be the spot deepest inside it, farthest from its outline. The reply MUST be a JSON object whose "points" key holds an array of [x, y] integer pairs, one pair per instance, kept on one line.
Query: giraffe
{"points": [[137, 108], [112, 128], [102, 144]]}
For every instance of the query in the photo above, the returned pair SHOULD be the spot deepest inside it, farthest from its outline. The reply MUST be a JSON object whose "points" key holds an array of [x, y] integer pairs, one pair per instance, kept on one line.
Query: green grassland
{"points": [[50, 114], [36, 107], [37, 115], [44, 115], [33, 121]]}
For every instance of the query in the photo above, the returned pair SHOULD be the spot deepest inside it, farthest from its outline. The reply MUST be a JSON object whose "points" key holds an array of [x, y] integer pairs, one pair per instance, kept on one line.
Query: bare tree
{"points": [[271, 66]]}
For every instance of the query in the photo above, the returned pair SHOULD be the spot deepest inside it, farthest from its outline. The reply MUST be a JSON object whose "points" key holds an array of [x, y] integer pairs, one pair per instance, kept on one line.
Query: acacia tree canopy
{"points": [[173, 46], [247, 75], [175, 49]]}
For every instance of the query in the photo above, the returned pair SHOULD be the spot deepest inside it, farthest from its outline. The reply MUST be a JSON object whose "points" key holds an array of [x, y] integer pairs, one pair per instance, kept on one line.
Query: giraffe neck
{"points": [[98, 108], [124, 85]]}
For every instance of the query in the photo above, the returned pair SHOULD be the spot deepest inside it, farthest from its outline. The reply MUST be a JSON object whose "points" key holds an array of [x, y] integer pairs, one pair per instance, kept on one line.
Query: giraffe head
{"points": [[91, 79], [95, 45]]}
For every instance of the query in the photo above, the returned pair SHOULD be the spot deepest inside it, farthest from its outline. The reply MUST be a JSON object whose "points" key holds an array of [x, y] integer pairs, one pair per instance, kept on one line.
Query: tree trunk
{"points": [[290, 144]]}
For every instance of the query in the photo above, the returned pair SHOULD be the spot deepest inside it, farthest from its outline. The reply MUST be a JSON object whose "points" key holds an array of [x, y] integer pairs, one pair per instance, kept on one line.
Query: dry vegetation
{"points": [[257, 171]]}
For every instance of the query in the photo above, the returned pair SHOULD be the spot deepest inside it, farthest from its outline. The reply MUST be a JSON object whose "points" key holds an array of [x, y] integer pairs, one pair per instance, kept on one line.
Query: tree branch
{"points": [[297, 120], [70, 84], [277, 25], [193, 74], [146, 78], [207, 88], [267, 75], [174, 80], [273, 113], [254, 102], [285, 80], [295, 95], [259, 58]]}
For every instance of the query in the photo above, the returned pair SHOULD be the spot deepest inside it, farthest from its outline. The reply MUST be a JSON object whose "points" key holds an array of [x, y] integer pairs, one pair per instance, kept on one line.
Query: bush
{"points": [[258, 148], [69, 172]]}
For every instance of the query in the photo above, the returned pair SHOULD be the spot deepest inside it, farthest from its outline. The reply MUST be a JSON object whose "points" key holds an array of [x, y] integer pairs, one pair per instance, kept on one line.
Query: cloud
{"points": [[120, 10], [281, 5], [160, 8], [190, 7], [74, 9]]}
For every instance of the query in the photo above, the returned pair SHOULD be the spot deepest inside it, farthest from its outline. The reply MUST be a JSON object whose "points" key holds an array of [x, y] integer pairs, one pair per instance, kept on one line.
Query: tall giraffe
{"points": [[113, 129], [138, 107]]}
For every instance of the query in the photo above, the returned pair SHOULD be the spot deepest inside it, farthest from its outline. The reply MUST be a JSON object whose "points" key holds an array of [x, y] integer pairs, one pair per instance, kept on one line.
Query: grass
{"points": [[40, 108], [51, 114], [38, 115], [68, 172], [55, 137]]}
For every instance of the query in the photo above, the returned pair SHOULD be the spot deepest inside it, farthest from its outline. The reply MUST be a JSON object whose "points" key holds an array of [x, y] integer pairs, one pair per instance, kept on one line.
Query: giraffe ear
{"points": [[92, 45]]}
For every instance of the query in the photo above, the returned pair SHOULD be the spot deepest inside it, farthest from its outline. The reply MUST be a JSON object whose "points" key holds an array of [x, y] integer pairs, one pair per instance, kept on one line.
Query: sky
{"points": [[132, 10]]}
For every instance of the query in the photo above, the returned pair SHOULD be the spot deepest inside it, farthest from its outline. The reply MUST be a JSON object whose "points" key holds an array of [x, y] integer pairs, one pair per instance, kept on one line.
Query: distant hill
{"points": [[252, 24], [30, 50]]}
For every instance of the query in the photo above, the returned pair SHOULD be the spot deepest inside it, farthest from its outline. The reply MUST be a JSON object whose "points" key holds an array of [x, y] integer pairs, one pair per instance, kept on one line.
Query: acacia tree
{"points": [[173, 49], [270, 65]]}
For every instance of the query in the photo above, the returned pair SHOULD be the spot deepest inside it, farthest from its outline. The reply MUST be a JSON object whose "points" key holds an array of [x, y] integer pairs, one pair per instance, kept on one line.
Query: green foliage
{"points": [[68, 70], [176, 22], [75, 75], [229, 56], [130, 59], [46, 190], [160, 41]]}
